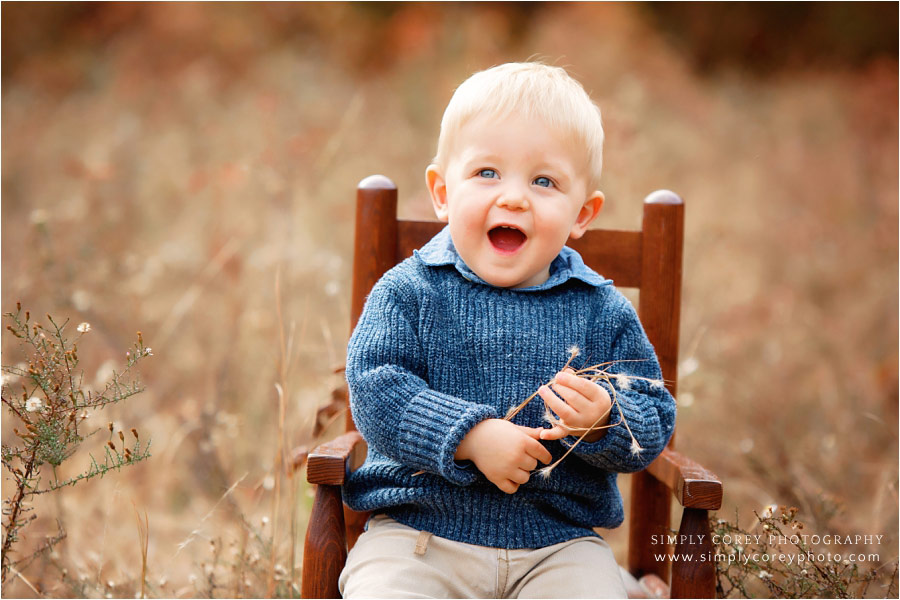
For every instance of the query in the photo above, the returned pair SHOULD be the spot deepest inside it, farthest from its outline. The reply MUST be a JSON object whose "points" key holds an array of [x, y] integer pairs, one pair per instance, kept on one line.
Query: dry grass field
{"points": [[188, 170]]}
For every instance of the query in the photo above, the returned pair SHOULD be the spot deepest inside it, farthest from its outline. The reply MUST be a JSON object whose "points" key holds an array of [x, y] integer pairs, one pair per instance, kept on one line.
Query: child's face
{"points": [[513, 191]]}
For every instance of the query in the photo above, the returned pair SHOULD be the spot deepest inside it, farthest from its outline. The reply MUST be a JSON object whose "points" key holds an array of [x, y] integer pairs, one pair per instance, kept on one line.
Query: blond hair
{"points": [[533, 90]]}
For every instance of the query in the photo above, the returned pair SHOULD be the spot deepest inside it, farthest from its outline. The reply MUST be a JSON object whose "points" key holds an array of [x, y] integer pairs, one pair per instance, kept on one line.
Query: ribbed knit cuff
{"points": [[432, 428], [617, 451]]}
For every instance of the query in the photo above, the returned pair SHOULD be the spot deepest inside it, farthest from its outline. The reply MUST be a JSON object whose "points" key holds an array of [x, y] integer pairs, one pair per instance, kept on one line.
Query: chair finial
{"points": [[376, 182], [663, 197]]}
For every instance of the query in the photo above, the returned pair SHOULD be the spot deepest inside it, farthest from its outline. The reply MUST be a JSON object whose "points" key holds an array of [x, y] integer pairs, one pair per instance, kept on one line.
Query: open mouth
{"points": [[506, 239]]}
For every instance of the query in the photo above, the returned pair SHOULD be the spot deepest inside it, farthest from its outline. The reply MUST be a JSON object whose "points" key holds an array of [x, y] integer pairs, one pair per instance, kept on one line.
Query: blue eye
{"points": [[488, 174], [543, 182]]}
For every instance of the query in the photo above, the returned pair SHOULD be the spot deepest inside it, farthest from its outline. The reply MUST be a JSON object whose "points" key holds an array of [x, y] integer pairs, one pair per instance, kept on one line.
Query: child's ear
{"points": [[587, 214], [437, 187]]}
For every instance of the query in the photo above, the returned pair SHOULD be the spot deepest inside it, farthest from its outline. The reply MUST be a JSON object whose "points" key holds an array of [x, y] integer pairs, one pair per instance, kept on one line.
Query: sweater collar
{"points": [[567, 265]]}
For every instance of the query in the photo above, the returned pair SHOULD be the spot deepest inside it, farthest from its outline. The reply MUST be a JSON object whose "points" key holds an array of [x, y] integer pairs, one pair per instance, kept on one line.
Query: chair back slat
{"points": [[614, 254], [412, 235]]}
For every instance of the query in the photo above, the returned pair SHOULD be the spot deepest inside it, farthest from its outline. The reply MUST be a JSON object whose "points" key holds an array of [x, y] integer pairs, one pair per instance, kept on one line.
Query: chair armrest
{"points": [[693, 486], [331, 462]]}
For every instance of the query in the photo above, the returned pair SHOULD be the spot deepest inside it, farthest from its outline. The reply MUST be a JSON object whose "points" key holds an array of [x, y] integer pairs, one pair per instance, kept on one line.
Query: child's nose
{"points": [[513, 198]]}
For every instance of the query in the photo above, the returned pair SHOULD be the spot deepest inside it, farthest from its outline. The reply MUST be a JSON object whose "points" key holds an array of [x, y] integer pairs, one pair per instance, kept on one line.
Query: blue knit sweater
{"points": [[437, 350]]}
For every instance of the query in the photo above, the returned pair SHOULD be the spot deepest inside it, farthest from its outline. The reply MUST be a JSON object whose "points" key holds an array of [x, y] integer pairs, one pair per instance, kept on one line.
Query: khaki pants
{"points": [[391, 560]]}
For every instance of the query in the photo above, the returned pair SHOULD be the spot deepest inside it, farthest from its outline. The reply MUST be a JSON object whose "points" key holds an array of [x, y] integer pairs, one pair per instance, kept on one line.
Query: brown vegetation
{"points": [[163, 163]]}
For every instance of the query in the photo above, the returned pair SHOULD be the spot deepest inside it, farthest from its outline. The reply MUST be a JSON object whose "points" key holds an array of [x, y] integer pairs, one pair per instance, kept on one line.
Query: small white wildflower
{"points": [[846, 562], [624, 381], [739, 549], [635, 447], [147, 351], [265, 521], [84, 327], [770, 510], [268, 483], [33, 404], [803, 571], [765, 575]]}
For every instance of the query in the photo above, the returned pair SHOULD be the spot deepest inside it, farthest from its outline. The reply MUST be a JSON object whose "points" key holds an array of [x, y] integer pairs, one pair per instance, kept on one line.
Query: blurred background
{"points": [[189, 170]]}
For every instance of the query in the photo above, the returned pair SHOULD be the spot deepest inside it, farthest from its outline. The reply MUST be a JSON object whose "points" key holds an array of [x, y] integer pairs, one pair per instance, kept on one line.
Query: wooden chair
{"points": [[650, 260]]}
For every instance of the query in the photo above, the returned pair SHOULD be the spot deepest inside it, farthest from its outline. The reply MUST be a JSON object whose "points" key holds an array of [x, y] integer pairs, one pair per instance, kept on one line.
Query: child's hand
{"points": [[505, 452], [583, 404]]}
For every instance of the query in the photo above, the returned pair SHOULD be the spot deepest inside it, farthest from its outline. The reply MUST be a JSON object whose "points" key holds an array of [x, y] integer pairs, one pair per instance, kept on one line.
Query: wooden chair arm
{"points": [[693, 485], [331, 462]]}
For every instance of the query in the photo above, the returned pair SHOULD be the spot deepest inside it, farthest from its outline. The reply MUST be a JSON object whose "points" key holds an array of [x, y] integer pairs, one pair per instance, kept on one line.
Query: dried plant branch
{"points": [[50, 408]]}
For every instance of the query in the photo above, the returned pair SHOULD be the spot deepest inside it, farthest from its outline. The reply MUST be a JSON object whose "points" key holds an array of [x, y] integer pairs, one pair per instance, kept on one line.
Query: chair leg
{"points": [[325, 549], [694, 571]]}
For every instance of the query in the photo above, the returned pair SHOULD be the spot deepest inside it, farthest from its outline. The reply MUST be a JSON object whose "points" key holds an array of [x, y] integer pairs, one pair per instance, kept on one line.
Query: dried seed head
{"points": [[545, 472], [140, 338], [635, 447], [18, 307], [573, 351], [122, 437], [134, 433], [111, 445], [110, 426]]}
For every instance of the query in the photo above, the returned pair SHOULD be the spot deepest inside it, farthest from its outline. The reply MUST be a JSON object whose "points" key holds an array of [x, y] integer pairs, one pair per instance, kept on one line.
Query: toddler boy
{"points": [[469, 326]]}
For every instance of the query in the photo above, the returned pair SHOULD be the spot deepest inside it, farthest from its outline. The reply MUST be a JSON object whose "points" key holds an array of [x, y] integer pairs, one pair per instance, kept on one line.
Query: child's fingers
{"points": [[507, 486], [578, 401], [555, 433], [554, 403], [532, 432], [537, 451], [586, 388]]}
